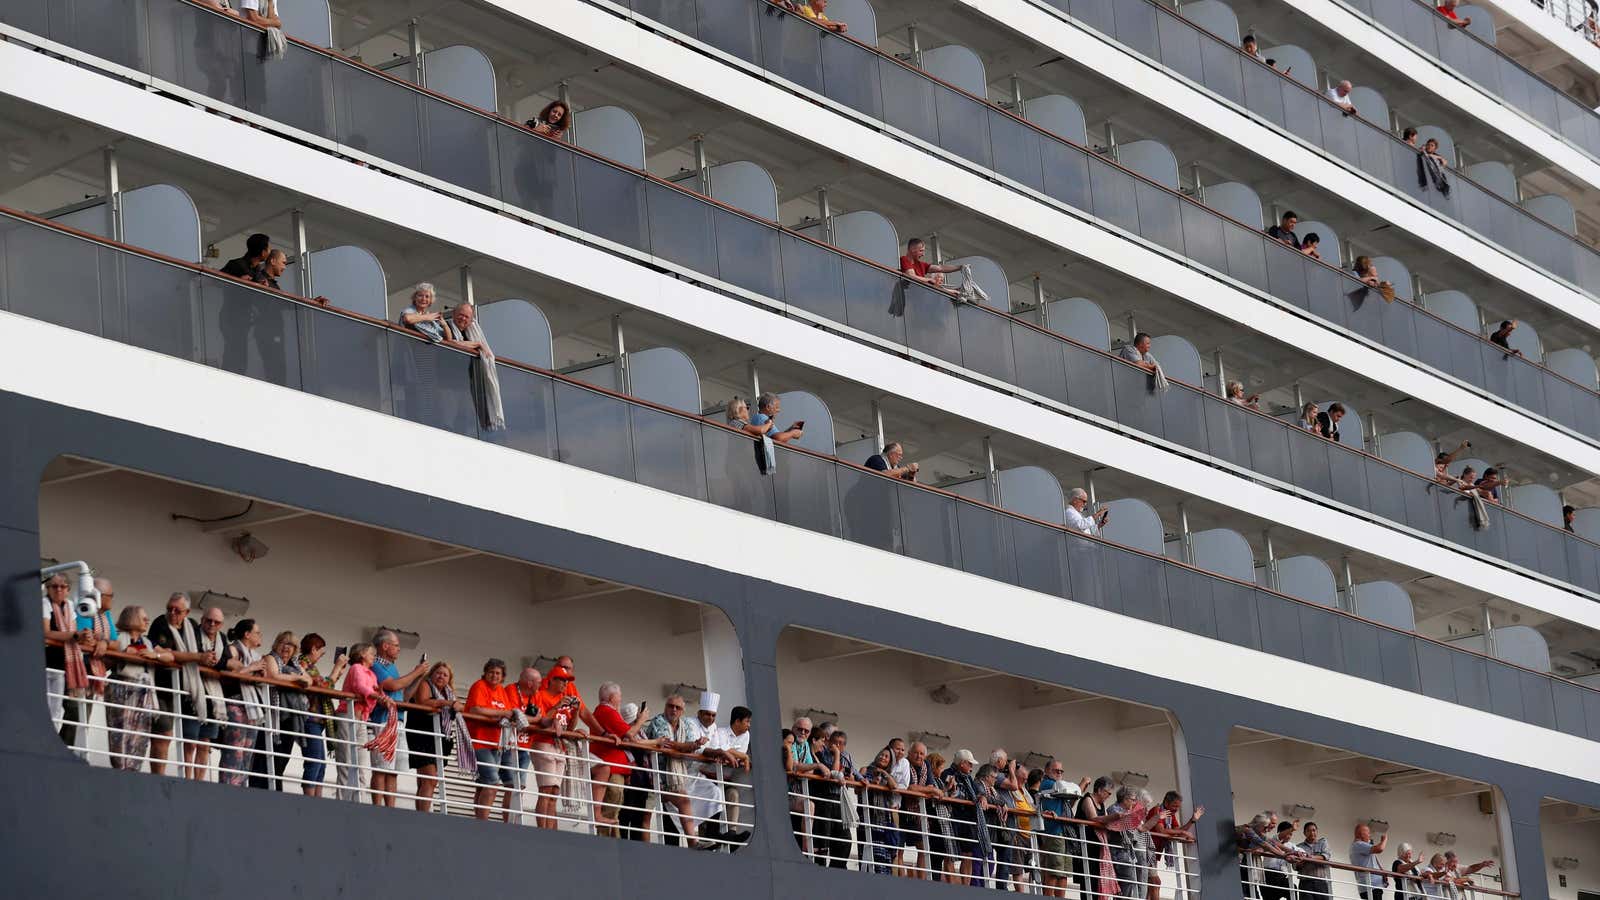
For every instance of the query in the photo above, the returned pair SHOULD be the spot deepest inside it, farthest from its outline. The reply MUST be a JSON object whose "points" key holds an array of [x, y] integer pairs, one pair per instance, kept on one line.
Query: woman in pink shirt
{"points": [[362, 682]]}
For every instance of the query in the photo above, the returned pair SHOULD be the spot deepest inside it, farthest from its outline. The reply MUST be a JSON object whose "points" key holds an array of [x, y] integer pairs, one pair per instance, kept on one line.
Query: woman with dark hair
{"points": [[319, 718], [879, 819], [552, 121], [244, 703]]}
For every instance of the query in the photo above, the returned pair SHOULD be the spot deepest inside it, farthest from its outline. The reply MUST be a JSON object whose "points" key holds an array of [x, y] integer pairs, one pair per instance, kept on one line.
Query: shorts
{"points": [[1053, 856], [161, 721], [379, 764], [425, 748], [496, 767], [548, 765]]}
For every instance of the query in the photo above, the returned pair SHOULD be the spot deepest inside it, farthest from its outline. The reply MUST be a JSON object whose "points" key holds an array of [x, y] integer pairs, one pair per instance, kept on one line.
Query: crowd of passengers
{"points": [[1273, 865], [916, 814], [513, 734]]}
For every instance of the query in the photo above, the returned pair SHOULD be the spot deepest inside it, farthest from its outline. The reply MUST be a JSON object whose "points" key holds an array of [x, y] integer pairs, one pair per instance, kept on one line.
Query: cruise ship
{"points": [[770, 449]]}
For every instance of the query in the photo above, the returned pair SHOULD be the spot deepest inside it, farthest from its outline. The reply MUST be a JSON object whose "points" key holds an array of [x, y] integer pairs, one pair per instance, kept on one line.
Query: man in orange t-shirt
{"points": [[552, 709], [520, 696], [487, 701]]}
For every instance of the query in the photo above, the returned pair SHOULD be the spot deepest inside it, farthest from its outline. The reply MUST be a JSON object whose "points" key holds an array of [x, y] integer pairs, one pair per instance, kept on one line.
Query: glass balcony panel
{"points": [[1422, 510], [1263, 92], [593, 431], [1568, 708], [251, 333], [1228, 433], [530, 409], [986, 547], [159, 306], [1222, 70], [928, 527], [807, 493], [377, 117], [1301, 116], [537, 175], [1136, 28], [1041, 557], [679, 15], [930, 320], [296, 90], [1399, 654], [1280, 626], [1308, 461], [1237, 621], [850, 76], [1399, 327], [29, 15], [1095, 581], [1436, 671], [871, 510], [1097, 14], [1338, 130], [432, 385], [1330, 295], [1190, 605], [347, 361], [1159, 217], [1347, 473], [1066, 175], [1115, 199], [908, 101], [748, 254], [791, 48], [1018, 150], [986, 343], [1041, 363], [734, 478], [1183, 417], [105, 29], [1202, 240], [1319, 636], [730, 26], [190, 47], [1144, 587], [459, 147], [1269, 448], [1385, 490], [1089, 385], [1286, 273], [875, 301], [1363, 657], [1505, 690], [813, 278], [680, 229], [963, 126], [1247, 256], [1180, 47], [1138, 406], [612, 204], [1472, 680], [54, 278]]}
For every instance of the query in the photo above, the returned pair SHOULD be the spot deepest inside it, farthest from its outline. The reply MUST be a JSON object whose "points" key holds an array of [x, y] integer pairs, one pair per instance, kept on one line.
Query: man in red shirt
{"points": [[486, 708], [519, 696], [914, 267], [1447, 8], [609, 777]]}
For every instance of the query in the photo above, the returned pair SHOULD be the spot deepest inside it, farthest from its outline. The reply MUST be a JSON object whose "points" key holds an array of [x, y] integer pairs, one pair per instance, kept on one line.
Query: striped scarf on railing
{"points": [[77, 673], [388, 736]]}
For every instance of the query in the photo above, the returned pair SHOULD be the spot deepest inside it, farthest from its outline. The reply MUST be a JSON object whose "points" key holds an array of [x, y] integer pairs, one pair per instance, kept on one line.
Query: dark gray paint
{"points": [[161, 838]]}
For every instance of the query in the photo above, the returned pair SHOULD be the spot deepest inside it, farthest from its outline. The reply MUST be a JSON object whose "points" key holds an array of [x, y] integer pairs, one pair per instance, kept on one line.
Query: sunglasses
{"points": [[674, 707]]}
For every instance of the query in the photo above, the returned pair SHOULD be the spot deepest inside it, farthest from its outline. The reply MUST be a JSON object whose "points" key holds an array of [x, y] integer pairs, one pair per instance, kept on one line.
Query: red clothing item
{"points": [[515, 699], [915, 265], [547, 700], [612, 724], [483, 694], [1449, 12]]}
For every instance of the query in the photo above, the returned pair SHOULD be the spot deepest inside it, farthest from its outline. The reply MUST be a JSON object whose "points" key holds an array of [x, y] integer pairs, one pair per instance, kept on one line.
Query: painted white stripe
{"points": [[135, 385], [300, 169]]}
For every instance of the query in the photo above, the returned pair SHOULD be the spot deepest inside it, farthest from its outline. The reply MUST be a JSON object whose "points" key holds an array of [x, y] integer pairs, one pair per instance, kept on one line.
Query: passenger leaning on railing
{"points": [[130, 695], [671, 730], [289, 706], [319, 713], [190, 696], [608, 792], [430, 736], [68, 690], [385, 667], [242, 737]]}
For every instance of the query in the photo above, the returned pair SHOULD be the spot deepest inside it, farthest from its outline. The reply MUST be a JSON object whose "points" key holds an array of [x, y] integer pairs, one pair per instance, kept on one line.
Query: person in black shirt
{"points": [[1284, 231], [256, 248], [1328, 422], [888, 462], [1502, 336], [1567, 513]]}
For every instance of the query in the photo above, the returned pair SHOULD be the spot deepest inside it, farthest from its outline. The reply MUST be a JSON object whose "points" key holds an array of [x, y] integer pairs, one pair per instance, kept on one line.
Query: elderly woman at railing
{"points": [[289, 708], [431, 730], [130, 695], [245, 703], [880, 830]]}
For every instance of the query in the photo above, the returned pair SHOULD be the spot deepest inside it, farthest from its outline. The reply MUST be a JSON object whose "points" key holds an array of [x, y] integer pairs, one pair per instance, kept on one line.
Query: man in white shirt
{"points": [[260, 13], [1078, 520], [728, 745], [1340, 95]]}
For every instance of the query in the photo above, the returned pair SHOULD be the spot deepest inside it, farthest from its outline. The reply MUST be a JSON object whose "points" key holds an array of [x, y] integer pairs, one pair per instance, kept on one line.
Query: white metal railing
{"points": [[257, 746], [1574, 14], [1265, 876], [939, 839]]}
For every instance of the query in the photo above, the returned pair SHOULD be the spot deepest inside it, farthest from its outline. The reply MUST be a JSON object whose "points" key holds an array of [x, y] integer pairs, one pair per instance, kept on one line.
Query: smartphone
{"points": [[800, 424], [340, 651], [423, 661]]}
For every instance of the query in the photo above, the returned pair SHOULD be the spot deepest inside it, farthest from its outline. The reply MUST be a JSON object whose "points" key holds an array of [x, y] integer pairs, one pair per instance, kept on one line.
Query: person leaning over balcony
{"points": [[1339, 94], [130, 700], [1056, 796], [1308, 418], [1431, 168], [1442, 461], [1502, 337], [1168, 829], [552, 121], [289, 706], [1328, 422], [496, 757], [245, 701], [519, 695], [319, 715], [186, 692], [385, 780], [671, 732], [552, 709], [1077, 502], [1447, 8], [1407, 863], [608, 792], [763, 424], [915, 267], [256, 248], [1488, 487], [1459, 874], [817, 11], [919, 831], [1276, 884], [1238, 397], [1367, 273], [892, 462], [420, 315], [798, 761], [1310, 244], [1314, 865], [727, 756], [1283, 232], [1436, 880], [431, 735], [831, 828], [969, 838], [1364, 853]]}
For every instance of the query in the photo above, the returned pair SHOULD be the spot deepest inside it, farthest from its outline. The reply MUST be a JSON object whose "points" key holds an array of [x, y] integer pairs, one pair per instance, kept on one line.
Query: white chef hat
{"points": [[709, 701]]}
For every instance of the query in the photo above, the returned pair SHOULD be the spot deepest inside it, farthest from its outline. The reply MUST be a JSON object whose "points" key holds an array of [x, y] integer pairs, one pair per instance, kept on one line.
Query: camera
{"points": [[88, 603]]}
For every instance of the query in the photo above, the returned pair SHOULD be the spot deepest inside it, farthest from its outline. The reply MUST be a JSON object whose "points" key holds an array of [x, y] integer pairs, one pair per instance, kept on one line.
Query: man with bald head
{"points": [[520, 696], [1340, 95]]}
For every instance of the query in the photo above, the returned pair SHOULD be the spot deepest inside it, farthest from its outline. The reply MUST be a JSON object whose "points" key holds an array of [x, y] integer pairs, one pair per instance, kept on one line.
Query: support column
{"points": [[1017, 104], [1349, 583], [113, 195], [1373, 436], [1185, 535], [1299, 398], [468, 296], [564, 94], [702, 169], [916, 44], [991, 474], [302, 253], [1222, 376], [724, 660], [619, 349], [936, 247], [1088, 486], [1039, 301], [1201, 743], [755, 385], [825, 214], [877, 425], [414, 35], [1272, 559]]}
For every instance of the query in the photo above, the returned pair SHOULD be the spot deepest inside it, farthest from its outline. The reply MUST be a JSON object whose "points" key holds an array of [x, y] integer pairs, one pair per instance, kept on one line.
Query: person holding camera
{"points": [[551, 711]]}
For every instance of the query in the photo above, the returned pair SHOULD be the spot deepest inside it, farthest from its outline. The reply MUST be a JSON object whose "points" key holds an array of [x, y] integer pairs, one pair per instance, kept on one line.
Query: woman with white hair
{"points": [[420, 315], [130, 697]]}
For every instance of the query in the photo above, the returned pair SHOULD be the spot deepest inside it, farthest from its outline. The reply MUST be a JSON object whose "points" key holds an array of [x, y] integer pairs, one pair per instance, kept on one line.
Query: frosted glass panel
{"points": [[1178, 358], [868, 234], [1225, 552], [611, 132], [1309, 579], [989, 276], [803, 406], [1496, 176], [1453, 307], [1059, 115], [461, 73], [1215, 17], [158, 217], [957, 65], [1408, 450], [517, 330], [350, 277], [1574, 364], [1536, 502], [1080, 319], [1387, 603], [1152, 159], [1236, 201], [1395, 272], [1303, 67], [745, 185], [1134, 522]]}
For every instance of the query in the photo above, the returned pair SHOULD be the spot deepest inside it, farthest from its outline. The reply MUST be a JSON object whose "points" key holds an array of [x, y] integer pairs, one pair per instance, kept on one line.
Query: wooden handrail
{"points": [[703, 420]]}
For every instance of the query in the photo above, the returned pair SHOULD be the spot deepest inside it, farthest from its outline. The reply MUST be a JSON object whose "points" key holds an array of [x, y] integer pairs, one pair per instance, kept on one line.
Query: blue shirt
{"points": [[1054, 804], [1362, 854], [385, 670], [760, 418], [87, 623]]}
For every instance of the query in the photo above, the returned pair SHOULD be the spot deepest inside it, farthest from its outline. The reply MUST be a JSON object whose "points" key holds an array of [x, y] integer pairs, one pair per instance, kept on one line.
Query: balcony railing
{"points": [[182, 310], [1488, 67], [110, 726], [377, 116], [1261, 875], [1015, 851], [1165, 36]]}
